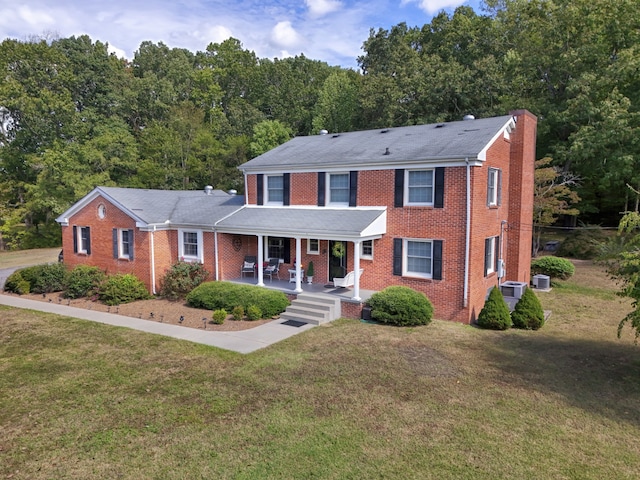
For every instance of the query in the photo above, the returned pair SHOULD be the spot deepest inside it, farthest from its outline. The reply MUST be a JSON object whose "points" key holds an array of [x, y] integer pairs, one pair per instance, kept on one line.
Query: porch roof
{"points": [[308, 222]]}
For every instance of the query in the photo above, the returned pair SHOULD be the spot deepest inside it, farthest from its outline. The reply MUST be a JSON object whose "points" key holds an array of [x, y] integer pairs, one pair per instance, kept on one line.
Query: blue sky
{"points": [[329, 30]]}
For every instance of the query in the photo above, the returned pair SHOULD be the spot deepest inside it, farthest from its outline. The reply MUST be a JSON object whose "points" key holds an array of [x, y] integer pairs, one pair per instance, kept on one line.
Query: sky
{"points": [[328, 30]]}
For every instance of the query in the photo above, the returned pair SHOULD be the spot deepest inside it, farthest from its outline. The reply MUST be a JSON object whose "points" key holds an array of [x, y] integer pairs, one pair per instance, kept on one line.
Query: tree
{"points": [[337, 106], [626, 269], [552, 197], [268, 135]]}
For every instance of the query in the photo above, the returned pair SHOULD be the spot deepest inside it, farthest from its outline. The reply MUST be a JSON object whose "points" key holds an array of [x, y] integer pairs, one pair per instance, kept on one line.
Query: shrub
{"points": [[83, 281], [219, 316], [214, 295], [528, 313], [16, 284], [401, 306], [253, 313], [45, 278], [555, 267], [584, 243], [181, 278], [117, 289], [495, 314], [238, 312]]}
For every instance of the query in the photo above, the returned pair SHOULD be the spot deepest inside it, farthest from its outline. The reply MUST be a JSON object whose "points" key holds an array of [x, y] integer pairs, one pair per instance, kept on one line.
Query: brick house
{"points": [[443, 208]]}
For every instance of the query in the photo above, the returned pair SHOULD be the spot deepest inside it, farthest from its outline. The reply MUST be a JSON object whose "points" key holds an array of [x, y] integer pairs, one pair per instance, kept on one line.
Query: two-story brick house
{"points": [[443, 208]]}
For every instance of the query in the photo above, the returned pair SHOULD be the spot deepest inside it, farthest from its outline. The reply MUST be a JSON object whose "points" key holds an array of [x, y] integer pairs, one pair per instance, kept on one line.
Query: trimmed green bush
{"points": [[528, 313], [554, 267], [495, 314], [402, 306], [181, 278], [122, 288], [219, 316], [253, 313], [45, 278], [238, 312], [215, 295], [83, 281], [16, 284]]}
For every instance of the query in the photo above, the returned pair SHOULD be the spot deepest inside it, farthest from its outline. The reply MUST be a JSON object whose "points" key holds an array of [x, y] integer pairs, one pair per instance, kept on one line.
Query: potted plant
{"points": [[310, 273]]}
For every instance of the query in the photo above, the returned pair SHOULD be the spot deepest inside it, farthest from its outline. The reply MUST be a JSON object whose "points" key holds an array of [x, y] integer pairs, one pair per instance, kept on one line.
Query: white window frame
{"points": [[363, 255], [82, 241], [491, 254], [330, 200], [310, 247], [493, 184], [181, 244], [121, 253], [408, 186], [405, 258], [267, 190]]}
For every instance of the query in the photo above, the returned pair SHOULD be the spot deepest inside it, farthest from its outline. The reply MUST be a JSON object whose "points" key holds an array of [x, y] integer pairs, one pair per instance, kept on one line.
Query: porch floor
{"points": [[289, 287]]}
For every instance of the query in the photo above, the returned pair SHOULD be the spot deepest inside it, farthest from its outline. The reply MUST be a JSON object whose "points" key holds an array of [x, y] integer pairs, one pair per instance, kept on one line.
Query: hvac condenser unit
{"points": [[541, 282], [513, 289]]}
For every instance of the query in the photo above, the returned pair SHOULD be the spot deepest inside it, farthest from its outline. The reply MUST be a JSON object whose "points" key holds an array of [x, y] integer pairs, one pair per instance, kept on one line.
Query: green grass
{"points": [[344, 401], [22, 258]]}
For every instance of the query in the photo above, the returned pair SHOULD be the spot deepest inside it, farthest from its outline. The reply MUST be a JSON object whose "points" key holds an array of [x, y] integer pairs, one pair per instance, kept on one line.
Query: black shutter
{"points": [[353, 188], [322, 178], [487, 250], [287, 250], [438, 200], [397, 256], [260, 188], [437, 260], [398, 198], [130, 244], [114, 242], [88, 240], [499, 187], [496, 253], [75, 239], [286, 188]]}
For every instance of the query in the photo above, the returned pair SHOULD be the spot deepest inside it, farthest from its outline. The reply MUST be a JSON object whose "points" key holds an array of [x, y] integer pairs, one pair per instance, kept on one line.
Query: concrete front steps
{"points": [[313, 308]]}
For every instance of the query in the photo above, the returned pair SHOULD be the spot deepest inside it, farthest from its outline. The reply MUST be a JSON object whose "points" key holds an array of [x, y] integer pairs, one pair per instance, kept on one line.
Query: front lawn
{"points": [[344, 401]]}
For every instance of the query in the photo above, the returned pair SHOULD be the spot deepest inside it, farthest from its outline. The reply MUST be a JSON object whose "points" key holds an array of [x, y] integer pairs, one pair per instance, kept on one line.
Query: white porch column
{"points": [[260, 262], [298, 262], [356, 270]]}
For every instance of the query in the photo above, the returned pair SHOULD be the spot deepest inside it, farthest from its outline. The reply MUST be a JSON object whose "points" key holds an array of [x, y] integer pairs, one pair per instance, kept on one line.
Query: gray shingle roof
{"points": [[313, 222], [441, 141]]}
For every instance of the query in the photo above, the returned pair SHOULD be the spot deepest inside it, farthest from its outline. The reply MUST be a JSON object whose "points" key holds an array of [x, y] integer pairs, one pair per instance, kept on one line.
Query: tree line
{"points": [[73, 116]]}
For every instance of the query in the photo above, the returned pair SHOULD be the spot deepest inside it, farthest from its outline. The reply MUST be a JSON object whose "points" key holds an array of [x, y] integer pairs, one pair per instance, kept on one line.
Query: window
{"points": [[490, 255], [123, 243], [275, 247], [82, 240], [339, 188], [493, 187], [366, 250], [190, 245], [417, 260], [419, 189], [313, 246], [275, 189]]}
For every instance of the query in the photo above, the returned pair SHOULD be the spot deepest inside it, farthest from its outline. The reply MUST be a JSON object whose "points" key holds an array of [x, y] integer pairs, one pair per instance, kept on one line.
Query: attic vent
{"points": [[387, 152], [335, 136], [384, 131], [208, 190], [440, 125], [323, 132], [469, 117]]}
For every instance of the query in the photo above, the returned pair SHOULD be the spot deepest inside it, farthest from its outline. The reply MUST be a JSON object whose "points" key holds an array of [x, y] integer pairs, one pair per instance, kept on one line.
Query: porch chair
{"points": [[348, 280], [272, 269], [248, 266]]}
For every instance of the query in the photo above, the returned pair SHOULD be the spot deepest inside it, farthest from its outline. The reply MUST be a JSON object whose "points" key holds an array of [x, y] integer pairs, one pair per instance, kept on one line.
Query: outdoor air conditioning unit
{"points": [[513, 289], [542, 282]]}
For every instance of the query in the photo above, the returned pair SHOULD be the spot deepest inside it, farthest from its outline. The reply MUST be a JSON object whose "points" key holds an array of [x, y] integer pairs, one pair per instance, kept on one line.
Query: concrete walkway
{"points": [[243, 341]]}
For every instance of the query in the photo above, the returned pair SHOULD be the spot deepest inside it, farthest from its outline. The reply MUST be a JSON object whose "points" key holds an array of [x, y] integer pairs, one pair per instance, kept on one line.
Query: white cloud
{"points": [[284, 35], [434, 6], [117, 51], [319, 8]]}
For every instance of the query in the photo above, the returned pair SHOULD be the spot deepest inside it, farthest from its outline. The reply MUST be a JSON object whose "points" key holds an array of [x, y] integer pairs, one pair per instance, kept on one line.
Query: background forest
{"points": [[72, 116]]}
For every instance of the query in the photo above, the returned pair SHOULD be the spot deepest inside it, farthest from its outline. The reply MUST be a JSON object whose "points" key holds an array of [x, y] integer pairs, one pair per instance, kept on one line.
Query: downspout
{"points": [[153, 263], [215, 252], [467, 245], [246, 189]]}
